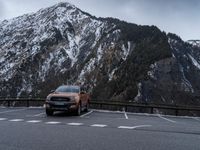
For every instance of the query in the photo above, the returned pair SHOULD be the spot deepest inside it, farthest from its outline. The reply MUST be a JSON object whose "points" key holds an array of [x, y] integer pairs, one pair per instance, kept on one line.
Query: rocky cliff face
{"points": [[111, 58], [175, 80]]}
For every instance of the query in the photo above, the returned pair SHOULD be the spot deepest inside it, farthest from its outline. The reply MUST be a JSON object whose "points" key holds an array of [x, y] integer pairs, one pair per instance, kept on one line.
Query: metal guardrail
{"points": [[117, 105], [150, 106], [25, 101]]}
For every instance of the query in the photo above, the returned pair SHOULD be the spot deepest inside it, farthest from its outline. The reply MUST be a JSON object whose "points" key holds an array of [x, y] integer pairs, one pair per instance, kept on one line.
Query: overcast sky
{"points": [[177, 16]]}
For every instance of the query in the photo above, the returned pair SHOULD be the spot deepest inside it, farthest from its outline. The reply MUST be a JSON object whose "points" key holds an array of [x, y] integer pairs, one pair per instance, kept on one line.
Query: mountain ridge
{"points": [[113, 59]]}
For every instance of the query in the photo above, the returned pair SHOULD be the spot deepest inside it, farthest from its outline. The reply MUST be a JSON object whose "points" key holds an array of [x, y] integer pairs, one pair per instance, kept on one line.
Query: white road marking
{"points": [[86, 114], [16, 120], [108, 111], [8, 111], [113, 112], [166, 118], [195, 118], [141, 126], [33, 121], [125, 114], [36, 107], [52, 122], [133, 127], [139, 114], [125, 127], [2, 119], [75, 124], [99, 125], [38, 114]]}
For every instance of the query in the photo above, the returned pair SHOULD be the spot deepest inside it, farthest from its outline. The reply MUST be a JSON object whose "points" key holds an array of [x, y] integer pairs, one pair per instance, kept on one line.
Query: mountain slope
{"points": [[111, 58]]}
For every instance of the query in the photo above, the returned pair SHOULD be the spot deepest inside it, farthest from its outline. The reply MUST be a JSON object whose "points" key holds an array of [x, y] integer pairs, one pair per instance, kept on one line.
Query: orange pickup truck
{"points": [[66, 98]]}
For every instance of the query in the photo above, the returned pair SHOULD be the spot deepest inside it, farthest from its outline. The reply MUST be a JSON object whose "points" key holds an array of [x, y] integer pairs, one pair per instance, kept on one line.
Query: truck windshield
{"points": [[68, 89]]}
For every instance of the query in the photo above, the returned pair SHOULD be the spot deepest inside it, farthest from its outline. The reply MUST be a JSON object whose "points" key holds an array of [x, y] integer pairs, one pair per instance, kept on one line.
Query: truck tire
{"points": [[86, 108], [49, 112], [78, 110]]}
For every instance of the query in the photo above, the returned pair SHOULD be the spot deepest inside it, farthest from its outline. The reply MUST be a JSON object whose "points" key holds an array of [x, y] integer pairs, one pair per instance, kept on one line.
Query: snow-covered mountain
{"points": [[195, 43], [111, 58]]}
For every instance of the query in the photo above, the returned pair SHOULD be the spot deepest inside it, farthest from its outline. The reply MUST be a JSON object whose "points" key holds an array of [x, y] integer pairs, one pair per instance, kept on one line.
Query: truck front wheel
{"points": [[78, 110], [49, 112]]}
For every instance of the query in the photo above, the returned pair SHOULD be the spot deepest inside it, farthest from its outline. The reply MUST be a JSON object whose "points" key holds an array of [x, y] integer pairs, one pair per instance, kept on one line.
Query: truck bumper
{"points": [[61, 106]]}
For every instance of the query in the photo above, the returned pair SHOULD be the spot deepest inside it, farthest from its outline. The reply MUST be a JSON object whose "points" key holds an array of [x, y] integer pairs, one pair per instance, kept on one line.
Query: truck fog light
{"points": [[73, 106]]}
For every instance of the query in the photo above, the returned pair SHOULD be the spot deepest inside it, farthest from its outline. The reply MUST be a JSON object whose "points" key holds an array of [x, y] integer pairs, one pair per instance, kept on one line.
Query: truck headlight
{"points": [[48, 98], [72, 98]]}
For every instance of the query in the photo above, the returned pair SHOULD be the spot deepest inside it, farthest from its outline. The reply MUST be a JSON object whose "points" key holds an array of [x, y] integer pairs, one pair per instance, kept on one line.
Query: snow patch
{"points": [[126, 50], [139, 95], [111, 74], [2, 59], [25, 87], [151, 73], [87, 69], [194, 61], [195, 43], [45, 67], [186, 82], [163, 99], [99, 53]]}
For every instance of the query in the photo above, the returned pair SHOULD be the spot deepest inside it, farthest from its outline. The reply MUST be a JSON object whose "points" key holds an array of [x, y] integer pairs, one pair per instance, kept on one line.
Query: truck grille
{"points": [[66, 99]]}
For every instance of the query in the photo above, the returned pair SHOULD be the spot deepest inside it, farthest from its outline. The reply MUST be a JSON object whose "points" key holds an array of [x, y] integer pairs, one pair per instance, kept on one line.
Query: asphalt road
{"points": [[31, 129]]}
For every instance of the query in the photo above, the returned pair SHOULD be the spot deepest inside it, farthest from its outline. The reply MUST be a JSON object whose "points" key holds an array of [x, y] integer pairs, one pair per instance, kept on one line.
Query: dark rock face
{"points": [[111, 58], [174, 80]]}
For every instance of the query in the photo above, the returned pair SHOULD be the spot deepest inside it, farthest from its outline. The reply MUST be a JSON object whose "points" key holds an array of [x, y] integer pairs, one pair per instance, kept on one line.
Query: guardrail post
{"points": [[8, 103], [176, 112], [151, 110], [27, 103], [125, 108]]}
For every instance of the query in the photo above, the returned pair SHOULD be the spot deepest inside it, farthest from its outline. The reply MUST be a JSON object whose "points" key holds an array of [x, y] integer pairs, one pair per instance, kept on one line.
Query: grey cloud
{"points": [[14, 8]]}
